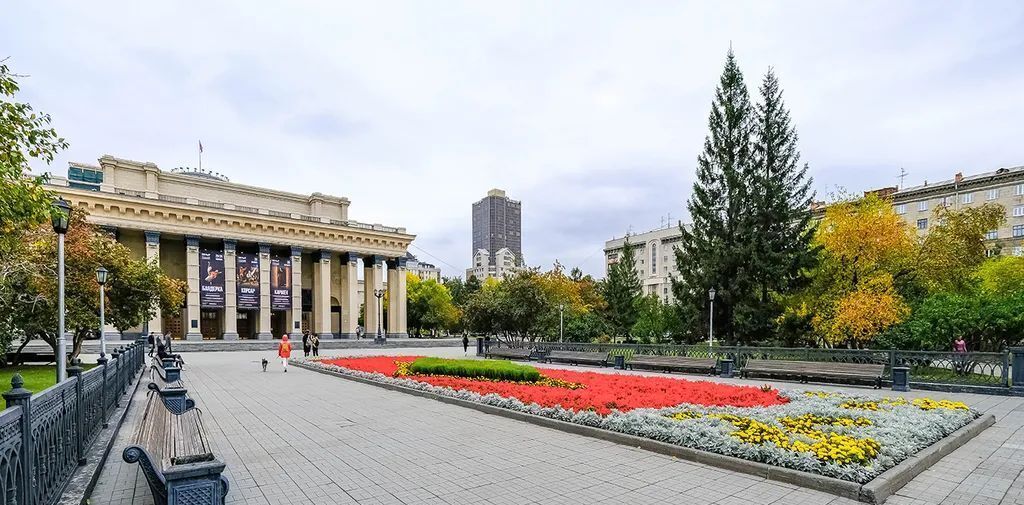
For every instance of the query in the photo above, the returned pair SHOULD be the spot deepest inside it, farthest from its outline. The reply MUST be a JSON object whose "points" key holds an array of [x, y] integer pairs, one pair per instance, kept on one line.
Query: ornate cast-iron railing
{"points": [[988, 370], [44, 437]]}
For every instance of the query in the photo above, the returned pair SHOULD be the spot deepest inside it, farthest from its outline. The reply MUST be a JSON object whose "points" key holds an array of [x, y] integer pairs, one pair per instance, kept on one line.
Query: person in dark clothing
{"points": [[465, 344], [315, 340], [152, 344], [305, 343], [163, 353]]}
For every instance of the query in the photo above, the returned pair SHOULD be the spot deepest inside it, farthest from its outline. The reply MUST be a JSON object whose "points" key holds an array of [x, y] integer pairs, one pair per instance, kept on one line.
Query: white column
{"points": [[230, 291], [192, 317], [372, 280], [264, 329], [349, 295], [156, 324], [296, 324], [401, 328], [322, 294], [394, 294]]}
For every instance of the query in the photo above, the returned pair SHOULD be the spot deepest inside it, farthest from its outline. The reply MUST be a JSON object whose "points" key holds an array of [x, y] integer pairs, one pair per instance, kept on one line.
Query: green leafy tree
{"points": [[429, 305], [25, 135], [780, 198], [955, 246], [621, 290], [715, 250], [1001, 275], [656, 321]]}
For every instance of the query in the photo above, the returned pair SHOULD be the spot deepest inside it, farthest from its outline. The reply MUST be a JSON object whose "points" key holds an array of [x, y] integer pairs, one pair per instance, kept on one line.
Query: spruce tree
{"points": [[780, 200], [621, 290], [714, 251]]}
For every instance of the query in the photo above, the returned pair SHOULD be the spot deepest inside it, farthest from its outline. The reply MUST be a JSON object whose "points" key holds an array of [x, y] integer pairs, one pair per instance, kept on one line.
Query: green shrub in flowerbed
{"points": [[499, 370]]}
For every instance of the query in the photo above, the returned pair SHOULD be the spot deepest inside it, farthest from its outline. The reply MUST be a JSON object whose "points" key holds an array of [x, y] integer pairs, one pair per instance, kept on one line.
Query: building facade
{"points": [[422, 270], [259, 263], [1004, 186], [655, 259], [497, 225], [504, 263]]}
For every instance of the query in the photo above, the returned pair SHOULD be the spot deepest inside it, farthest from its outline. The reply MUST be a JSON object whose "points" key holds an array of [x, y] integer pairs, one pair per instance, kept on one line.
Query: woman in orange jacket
{"points": [[284, 350]]}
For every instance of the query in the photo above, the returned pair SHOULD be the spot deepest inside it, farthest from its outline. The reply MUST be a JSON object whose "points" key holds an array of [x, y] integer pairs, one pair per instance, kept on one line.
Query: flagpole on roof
{"points": [[200, 155]]}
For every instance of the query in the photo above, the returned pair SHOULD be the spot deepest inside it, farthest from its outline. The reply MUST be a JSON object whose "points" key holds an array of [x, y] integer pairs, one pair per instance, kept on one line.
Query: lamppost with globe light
{"points": [[379, 293], [101, 279], [60, 220], [711, 318]]}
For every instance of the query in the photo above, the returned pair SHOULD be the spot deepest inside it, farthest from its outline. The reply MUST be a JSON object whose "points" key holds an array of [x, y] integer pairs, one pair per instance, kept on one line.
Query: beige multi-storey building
{"points": [[655, 259], [1004, 186], [503, 265], [259, 262], [422, 270]]}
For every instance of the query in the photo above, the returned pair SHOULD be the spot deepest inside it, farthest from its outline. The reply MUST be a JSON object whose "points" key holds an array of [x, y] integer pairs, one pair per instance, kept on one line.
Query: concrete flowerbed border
{"points": [[635, 429]]}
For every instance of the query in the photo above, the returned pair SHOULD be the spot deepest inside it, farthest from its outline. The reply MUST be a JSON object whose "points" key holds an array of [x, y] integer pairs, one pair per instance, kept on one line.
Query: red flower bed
{"points": [[602, 392]]}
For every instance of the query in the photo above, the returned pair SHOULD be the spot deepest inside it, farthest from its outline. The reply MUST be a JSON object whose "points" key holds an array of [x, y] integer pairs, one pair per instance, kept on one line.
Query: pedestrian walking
{"points": [[316, 345], [284, 351], [305, 343], [167, 341], [152, 344], [960, 360], [465, 344]]}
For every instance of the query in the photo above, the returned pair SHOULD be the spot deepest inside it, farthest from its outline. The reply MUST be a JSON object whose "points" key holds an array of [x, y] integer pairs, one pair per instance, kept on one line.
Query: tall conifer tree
{"points": [[714, 251], [621, 291], [780, 200]]}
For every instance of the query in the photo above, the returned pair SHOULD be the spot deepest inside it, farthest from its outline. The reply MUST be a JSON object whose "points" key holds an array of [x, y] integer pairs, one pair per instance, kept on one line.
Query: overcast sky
{"points": [[591, 113]]}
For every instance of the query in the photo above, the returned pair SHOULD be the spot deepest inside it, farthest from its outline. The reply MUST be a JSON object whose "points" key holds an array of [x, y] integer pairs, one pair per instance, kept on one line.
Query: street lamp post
{"points": [[711, 318], [101, 279], [379, 293], [561, 307], [60, 220]]}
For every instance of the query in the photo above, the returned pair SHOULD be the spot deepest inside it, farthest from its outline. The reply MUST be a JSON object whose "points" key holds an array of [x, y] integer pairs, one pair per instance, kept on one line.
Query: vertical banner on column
{"points": [[211, 278], [248, 281], [280, 283]]}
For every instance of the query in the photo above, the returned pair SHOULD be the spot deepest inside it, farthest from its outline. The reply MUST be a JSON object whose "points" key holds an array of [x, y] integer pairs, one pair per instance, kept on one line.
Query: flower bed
{"points": [[847, 436]]}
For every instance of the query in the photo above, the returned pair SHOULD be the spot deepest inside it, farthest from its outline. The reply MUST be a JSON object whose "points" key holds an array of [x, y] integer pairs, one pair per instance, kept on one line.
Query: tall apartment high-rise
{"points": [[497, 235]]}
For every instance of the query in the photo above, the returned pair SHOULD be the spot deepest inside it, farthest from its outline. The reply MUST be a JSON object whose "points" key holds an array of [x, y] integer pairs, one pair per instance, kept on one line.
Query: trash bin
{"points": [[479, 346], [727, 367], [900, 378], [620, 362]]}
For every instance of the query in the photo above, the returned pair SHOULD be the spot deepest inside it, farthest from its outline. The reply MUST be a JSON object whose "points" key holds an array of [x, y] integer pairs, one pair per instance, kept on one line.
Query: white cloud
{"points": [[591, 113]]}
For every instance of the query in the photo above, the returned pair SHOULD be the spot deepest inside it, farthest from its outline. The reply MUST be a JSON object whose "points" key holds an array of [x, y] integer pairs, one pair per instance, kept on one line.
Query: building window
{"points": [[901, 209], [1018, 211], [922, 205], [654, 258], [967, 198], [666, 290], [1018, 230], [993, 194], [922, 224], [948, 201], [1020, 190], [992, 235]]}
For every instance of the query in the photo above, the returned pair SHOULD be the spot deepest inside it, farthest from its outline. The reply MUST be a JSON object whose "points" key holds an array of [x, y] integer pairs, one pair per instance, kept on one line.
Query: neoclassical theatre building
{"points": [[259, 263]]}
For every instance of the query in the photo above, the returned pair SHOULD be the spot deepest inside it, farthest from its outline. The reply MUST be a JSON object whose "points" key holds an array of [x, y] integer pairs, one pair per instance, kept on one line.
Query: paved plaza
{"points": [[305, 437]]}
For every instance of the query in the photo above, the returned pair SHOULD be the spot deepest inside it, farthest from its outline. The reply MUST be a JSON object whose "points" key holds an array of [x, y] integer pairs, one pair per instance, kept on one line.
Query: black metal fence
{"points": [[980, 371], [44, 437]]}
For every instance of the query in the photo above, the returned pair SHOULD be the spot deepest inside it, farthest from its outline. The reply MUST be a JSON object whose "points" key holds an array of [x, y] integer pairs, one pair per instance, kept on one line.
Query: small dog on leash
{"points": [[265, 362]]}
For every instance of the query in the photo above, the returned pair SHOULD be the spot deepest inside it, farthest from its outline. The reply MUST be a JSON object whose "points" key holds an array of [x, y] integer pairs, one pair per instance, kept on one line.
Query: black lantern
{"points": [[61, 216], [101, 275], [711, 294]]}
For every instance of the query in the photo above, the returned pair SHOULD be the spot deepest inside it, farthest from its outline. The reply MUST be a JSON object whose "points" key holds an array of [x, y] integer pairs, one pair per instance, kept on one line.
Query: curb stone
{"points": [[874, 491]]}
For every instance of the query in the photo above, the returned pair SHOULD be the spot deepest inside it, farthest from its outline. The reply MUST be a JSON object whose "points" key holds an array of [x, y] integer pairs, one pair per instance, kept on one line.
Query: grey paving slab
{"points": [[307, 438]]}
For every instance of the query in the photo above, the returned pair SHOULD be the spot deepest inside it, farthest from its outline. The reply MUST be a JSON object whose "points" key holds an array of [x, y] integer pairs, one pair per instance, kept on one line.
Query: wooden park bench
{"points": [[174, 396], [174, 454], [670, 363], [810, 370], [164, 370], [508, 353], [576, 357]]}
